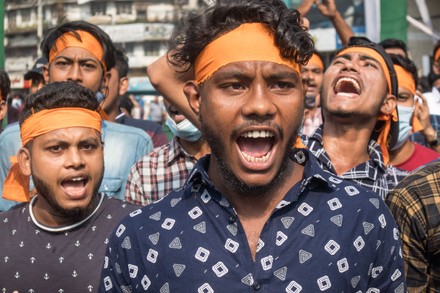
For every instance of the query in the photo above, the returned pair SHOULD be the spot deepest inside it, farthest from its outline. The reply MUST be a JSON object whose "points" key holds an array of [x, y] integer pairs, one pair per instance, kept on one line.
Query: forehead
{"points": [[76, 53], [70, 134], [254, 68]]}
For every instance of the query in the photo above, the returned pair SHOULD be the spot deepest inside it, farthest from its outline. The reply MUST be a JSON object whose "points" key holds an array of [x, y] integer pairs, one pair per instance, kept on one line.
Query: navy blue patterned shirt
{"points": [[327, 234]]}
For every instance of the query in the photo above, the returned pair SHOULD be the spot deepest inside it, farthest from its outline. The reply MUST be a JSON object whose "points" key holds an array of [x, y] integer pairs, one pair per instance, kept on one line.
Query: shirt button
{"points": [[232, 219], [256, 286]]}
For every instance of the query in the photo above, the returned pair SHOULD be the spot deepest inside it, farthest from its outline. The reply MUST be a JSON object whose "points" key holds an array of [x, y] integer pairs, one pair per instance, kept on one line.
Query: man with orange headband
{"points": [[358, 102], [408, 155], [82, 53], [256, 214], [313, 73], [57, 241]]}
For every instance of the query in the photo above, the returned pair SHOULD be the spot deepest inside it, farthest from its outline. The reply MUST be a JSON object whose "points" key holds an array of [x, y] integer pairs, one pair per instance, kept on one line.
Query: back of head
{"points": [[121, 61], [394, 44], [53, 34], [5, 85], [59, 95], [201, 29]]}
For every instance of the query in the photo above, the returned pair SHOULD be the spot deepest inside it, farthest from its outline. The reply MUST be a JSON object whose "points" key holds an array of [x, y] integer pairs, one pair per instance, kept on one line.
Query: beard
{"points": [[218, 150], [77, 213]]}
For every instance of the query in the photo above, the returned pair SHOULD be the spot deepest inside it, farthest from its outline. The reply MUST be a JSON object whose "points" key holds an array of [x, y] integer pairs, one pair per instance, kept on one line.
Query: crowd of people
{"points": [[282, 173]]}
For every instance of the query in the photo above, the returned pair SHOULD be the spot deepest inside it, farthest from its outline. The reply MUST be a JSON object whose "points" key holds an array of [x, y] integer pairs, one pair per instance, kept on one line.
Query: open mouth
{"points": [[75, 186], [256, 146], [347, 86]]}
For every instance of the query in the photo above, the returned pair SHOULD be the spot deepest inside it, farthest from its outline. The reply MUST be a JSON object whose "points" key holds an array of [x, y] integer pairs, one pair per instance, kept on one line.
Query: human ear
{"points": [[3, 109], [192, 94], [24, 161], [46, 73], [389, 104], [123, 86]]}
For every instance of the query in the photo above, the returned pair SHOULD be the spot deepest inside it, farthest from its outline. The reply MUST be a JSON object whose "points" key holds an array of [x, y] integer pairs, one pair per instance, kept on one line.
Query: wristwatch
{"points": [[436, 140]]}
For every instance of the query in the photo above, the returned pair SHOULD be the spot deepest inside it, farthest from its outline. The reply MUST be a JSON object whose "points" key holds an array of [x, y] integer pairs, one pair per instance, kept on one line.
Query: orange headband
{"points": [[16, 185], [48, 120], [437, 54], [373, 54], [315, 60], [248, 42], [88, 42], [405, 79]]}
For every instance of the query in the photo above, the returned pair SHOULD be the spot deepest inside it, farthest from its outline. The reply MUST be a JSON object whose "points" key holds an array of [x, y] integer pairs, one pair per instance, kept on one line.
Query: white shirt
{"points": [[433, 99]]}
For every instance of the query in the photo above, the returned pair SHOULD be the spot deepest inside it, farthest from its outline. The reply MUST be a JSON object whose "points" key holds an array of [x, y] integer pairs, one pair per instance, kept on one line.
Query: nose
{"points": [[75, 73], [259, 104], [350, 65], [74, 159]]}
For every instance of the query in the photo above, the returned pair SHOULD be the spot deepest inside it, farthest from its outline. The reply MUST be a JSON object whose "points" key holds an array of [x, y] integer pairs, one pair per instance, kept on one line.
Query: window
{"points": [[99, 8], [123, 8], [26, 16]]}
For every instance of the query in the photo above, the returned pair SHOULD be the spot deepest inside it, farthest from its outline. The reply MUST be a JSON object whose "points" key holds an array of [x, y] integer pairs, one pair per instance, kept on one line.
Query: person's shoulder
{"points": [[12, 131], [13, 214], [146, 125], [113, 127]]}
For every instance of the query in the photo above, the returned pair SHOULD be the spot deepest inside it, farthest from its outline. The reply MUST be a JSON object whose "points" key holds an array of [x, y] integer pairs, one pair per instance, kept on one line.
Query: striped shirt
{"points": [[158, 173], [415, 204]]}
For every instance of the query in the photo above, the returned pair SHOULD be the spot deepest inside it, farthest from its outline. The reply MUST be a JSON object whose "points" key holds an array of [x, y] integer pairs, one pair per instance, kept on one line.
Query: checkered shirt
{"points": [[418, 136], [158, 173], [373, 174], [415, 204]]}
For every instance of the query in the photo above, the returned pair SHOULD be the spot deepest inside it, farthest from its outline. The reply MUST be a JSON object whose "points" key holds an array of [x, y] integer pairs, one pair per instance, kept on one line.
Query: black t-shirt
{"points": [[35, 260]]}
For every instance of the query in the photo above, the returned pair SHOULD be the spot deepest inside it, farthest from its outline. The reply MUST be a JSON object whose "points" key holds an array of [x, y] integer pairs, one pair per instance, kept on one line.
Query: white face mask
{"points": [[184, 129], [405, 127]]}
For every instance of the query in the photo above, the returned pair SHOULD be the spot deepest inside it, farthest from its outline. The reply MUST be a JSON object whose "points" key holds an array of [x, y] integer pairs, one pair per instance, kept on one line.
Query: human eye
{"points": [[62, 63], [283, 85], [88, 146], [88, 66], [55, 148], [369, 63]]}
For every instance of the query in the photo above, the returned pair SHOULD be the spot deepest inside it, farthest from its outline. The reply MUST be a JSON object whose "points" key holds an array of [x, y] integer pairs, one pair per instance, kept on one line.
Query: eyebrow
{"points": [[362, 57], [80, 60]]}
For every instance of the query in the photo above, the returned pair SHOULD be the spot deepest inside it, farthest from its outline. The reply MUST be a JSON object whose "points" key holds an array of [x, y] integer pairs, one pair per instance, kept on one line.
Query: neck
{"points": [[351, 141], [112, 113], [47, 216], [196, 149], [402, 154]]}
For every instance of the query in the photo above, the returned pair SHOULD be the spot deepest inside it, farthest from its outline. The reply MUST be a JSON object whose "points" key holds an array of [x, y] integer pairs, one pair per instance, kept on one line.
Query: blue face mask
{"points": [[100, 96], [405, 127], [184, 129]]}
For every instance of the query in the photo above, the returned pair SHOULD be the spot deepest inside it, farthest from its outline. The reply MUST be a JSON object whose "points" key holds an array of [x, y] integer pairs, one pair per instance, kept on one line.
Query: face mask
{"points": [[100, 96], [405, 127], [184, 129]]}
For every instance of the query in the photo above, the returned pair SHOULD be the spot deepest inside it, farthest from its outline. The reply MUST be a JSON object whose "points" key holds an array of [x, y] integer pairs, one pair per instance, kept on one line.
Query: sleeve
{"points": [[412, 225], [133, 190]]}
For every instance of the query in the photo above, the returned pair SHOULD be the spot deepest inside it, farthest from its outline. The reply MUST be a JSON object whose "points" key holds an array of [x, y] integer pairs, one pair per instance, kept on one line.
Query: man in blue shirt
{"points": [[84, 59], [256, 214]]}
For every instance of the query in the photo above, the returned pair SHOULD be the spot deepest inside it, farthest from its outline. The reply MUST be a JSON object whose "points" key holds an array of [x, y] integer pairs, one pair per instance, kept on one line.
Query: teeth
{"points": [[253, 159], [351, 80], [257, 134], [77, 179]]}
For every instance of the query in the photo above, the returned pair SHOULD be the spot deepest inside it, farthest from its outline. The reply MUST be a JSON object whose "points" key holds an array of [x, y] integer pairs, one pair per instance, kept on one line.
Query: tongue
{"points": [[73, 187], [256, 147]]}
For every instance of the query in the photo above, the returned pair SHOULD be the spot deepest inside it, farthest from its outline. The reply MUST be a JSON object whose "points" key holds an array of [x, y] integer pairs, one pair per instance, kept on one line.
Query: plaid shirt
{"points": [[373, 174], [158, 173], [415, 204]]}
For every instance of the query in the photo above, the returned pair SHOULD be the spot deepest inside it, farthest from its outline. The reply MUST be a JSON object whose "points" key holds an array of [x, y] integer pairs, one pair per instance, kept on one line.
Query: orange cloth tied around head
{"points": [[437, 54], [88, 42], [406, 80], [248, 42], [16, 185], [382, 139], [315, 60]]}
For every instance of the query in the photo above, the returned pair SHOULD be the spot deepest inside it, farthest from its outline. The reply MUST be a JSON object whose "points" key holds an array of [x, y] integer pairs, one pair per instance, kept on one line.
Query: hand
{"points": [[327, 7], [421, 111], [305, 6]]}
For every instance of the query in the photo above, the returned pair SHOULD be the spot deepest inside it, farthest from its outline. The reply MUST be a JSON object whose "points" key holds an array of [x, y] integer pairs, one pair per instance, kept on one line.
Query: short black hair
{"points": [[52, 35], [200, 29], [5, 84], [407, 64], [121, 61], [394, 43], [59, 95]]}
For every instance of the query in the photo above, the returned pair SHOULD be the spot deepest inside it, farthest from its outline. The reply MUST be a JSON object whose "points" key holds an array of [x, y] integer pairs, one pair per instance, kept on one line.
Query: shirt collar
{"points": [[176, 151], [365, 170]]}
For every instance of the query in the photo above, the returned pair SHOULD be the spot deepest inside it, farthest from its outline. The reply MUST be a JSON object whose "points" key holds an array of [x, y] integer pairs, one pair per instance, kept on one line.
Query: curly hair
{"points": [[198, 30], [52, 35], [59, 95]]}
